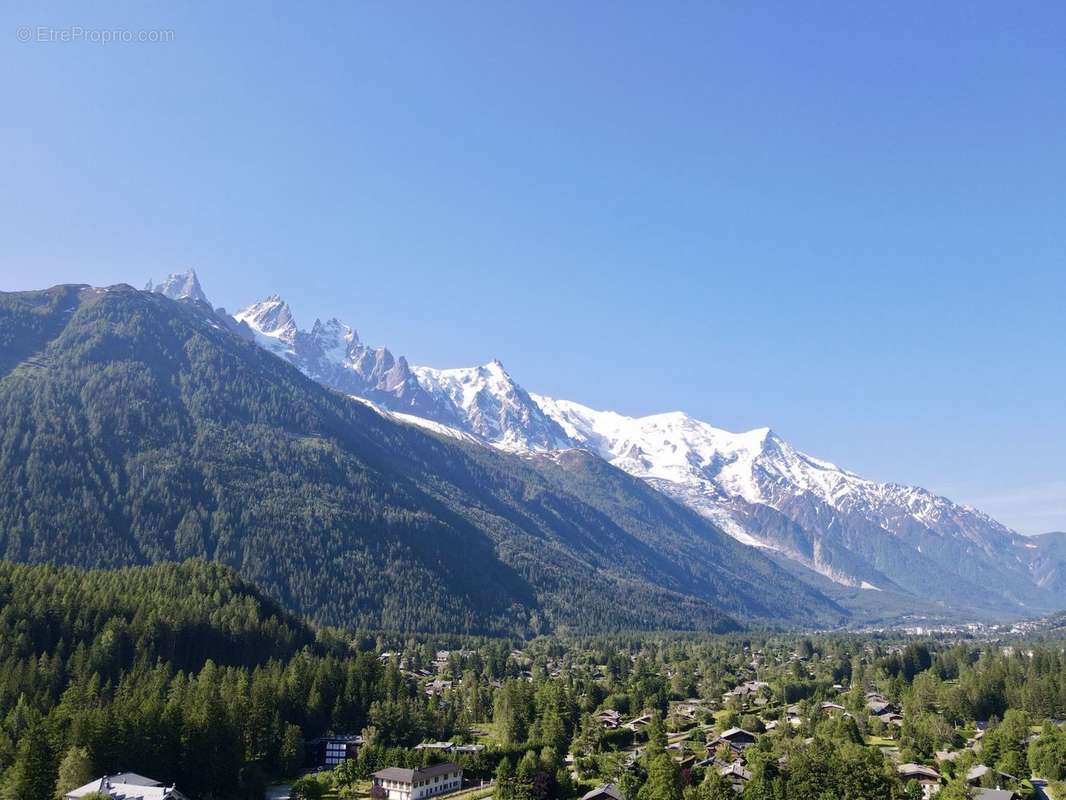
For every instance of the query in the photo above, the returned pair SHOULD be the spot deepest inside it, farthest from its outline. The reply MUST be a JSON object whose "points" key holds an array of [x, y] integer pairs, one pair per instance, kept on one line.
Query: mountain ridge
{"points": [[863, 534], [180, 439]]}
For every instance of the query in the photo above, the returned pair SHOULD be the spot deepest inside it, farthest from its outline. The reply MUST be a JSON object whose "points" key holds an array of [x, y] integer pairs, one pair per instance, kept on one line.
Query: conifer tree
{"points": [[34, 771]]}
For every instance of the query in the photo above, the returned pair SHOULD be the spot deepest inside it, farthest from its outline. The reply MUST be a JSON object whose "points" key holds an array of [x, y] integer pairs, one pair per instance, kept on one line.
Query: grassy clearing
{"points": [[490, 731], [880, 741]]}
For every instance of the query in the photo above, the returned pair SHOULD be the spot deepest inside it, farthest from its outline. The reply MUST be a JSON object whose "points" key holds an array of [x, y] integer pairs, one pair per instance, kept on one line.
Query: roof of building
{"points": [[994, 794], [918, 769], [607, 790], [978, 771], [729, 734], [344, 738], [412, 775], [735, 769], [127, 786]]}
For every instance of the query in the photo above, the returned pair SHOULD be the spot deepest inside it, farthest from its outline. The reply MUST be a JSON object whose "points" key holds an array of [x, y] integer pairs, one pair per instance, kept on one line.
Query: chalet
{"points": [[879, 707], [329, 751], [891, 718], [443, 657], [995, 794], [126, 786], [926, 777], [737, 739], [747, 688], [414, 784], [606, 792], [639, 723], [437, 687], [608, 718], [978, 772], [735, 775], [685, 761], [832, 708]]}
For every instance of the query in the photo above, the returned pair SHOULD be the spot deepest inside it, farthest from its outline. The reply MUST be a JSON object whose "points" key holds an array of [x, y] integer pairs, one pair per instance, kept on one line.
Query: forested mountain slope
{"points": [[184, 614], [136, 429]]}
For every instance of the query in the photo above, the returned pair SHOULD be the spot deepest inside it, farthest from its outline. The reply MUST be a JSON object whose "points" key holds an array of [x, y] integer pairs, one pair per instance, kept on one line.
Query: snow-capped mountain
{"points": [[331, 353], [179, 286], [492, 406], [855, 531], [860, 534], [483, 402]]}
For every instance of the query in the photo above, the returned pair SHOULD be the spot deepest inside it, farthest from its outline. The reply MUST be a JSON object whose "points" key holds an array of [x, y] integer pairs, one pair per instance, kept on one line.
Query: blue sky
{"points": [[845, 222]]}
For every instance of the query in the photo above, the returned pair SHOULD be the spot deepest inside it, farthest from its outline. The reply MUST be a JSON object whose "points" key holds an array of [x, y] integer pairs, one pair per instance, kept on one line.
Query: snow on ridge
{"points": [[722, 475], [420, 422]]}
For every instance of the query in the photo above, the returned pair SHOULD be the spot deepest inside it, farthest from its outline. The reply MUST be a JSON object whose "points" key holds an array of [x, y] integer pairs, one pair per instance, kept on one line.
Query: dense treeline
{"points": [[134, 429], [187, 673], [182, 671], [103, 622]]}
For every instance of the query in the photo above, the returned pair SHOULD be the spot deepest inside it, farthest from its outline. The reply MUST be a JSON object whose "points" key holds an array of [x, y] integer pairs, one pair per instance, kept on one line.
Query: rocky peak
{"points": [[180, 286], [271, 317]]}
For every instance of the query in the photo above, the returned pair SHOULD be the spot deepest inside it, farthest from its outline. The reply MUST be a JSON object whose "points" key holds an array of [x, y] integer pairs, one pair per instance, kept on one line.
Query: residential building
{"points": [[442, 747], [606, 792], [738, 737], [927, 777], [736, 775], [415, 784], [329, 751], [127, 786], [978, 772]]}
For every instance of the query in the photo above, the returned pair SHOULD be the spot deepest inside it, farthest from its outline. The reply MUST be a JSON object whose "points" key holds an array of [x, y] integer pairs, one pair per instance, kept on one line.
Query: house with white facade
{"points": [[415, 784], [127, 786]]}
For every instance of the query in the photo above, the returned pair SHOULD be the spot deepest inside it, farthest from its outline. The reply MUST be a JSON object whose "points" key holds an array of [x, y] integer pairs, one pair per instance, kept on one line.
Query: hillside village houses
{"points": [[415, 784], [126, 786]]}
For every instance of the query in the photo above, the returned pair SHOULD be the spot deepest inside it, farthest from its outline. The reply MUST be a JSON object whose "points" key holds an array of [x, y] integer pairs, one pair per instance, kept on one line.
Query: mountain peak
{"points": [[180, 286], [270, 318]]}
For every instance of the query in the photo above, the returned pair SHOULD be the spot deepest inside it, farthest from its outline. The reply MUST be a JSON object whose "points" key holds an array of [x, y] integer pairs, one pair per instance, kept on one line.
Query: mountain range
{"points": [[875, 547], [136, 429]]}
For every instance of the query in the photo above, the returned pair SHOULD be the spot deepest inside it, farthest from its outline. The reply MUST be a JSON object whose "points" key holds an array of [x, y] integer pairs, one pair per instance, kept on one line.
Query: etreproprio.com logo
{"points": [[76, 33]]}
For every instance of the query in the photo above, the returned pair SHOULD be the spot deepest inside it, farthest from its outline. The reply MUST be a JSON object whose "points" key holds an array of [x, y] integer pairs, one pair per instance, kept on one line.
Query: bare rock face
{"points": [[180, 286]]}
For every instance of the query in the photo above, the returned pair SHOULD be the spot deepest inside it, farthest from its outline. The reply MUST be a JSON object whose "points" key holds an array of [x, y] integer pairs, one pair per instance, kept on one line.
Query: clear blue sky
{"points": [[847, 222]]}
